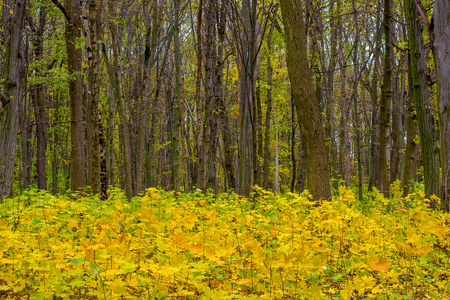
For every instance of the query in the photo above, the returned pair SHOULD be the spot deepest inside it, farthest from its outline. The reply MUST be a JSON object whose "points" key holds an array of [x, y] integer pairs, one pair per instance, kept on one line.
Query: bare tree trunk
{"points": [[40, 103], [152, 21], [72, 13], [385, 103], [113, 71], [223, 116], [441, 47], [12, 93], [425, 121], [411, 131], [355, 101], [92, 32], [375, 124], [198, 97], [317, 173], [176, 160]]}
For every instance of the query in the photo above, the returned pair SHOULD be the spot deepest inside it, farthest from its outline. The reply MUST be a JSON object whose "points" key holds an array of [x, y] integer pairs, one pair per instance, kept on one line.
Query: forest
{"points": [[224, 149], [224, 96]]}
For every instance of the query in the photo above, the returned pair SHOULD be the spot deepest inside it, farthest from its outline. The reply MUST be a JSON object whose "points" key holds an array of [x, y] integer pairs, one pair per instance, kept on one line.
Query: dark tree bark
{"points": [[425, 121], [40, 104], [12, 91], [375, 122], [72, 12], [92, 30], [385, 102], [152, 21], [223, 116], [176, 160], [355, 100], [317, 173], [441, 47], [411, 131]]}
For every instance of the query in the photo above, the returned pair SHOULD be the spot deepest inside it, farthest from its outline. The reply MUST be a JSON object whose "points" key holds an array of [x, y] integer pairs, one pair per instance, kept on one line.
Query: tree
{"points": [[13, 15], [308, 113], [441, 46], [72, 14], [422, 103], [385, 102]]}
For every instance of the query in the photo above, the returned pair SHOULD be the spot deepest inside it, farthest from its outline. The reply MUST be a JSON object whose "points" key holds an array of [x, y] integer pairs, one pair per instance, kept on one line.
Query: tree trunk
{"points": [[40, 104], [441, 45], [374, 123], [355, 101], [411, 131], [317, 173], [176, 160], [385, 103], [425, 121], [12, 93], [72, 13]]}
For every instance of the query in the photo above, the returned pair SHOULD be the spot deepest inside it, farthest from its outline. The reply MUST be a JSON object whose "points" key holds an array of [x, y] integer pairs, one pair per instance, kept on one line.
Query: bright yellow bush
{"points": [[196, 246]]}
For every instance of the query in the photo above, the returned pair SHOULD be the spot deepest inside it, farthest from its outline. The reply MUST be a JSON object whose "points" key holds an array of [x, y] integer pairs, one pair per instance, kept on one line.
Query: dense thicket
{"points": [[196, 94]]}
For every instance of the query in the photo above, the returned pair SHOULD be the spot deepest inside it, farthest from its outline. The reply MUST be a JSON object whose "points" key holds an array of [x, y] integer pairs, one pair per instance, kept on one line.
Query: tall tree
{"points": [[115, 79], [176, 126], [441, 45], [92, 29], [308, 112], [13, 14], [385, 102], [72, 13], [425, 121], [39, 100]]}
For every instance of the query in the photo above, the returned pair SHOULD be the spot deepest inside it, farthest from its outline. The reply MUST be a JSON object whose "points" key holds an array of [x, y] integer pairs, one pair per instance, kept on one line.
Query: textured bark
{"points": [[12, 91], [385, 102], [425, 121], [317, 174], [71, 11], [208, 170], [267, 156], [198, 96], [92, 32], [374, 130], [223, 116], [37, 93], [411, 131], [176, 160], [152, 21], [395, 134], [355, 100], [441, 47]]}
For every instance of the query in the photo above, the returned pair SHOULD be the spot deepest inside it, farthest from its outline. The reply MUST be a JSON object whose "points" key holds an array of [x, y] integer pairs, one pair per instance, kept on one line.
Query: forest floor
{"points": [[201, 246]]}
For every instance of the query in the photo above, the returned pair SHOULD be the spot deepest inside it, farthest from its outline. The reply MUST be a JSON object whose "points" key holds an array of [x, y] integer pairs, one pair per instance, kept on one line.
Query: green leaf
{"points": [[78, 260], [95, 269], [273, 216]]}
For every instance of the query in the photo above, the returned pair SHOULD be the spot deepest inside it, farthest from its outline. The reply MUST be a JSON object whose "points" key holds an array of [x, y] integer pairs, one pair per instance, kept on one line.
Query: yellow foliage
{"points": [[278, 246]]}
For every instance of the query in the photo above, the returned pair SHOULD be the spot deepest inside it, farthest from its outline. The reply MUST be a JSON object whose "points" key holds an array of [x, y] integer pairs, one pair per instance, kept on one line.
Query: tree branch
{"points": [[4, 99], [63, 10]]}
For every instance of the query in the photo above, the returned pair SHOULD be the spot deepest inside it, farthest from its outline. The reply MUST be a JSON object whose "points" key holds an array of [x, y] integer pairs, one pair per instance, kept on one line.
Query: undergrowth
{"points": [[197, 246]]}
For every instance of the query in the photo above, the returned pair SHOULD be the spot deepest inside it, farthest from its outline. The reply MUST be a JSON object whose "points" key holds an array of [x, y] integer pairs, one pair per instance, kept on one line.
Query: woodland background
{"points": [[196, 94]]}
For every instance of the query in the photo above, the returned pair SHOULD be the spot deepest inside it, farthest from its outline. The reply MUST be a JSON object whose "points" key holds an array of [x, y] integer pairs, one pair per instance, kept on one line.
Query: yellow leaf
{"points": [[117, 286], [381, 264], [196, 248]]}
